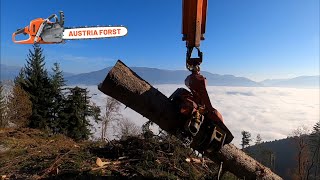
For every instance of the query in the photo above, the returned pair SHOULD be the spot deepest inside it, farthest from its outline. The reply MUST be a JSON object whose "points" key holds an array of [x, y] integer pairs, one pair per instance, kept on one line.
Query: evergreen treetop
{"points": [[37, 84], [246, 138]]}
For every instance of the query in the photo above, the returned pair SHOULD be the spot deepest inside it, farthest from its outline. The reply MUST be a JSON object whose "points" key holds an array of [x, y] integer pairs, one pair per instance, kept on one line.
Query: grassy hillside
{"points": [[33, 154]]}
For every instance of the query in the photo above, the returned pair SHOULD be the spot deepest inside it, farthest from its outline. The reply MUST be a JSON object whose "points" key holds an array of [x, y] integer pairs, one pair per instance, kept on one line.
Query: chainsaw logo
{"points": [[44, 31]]}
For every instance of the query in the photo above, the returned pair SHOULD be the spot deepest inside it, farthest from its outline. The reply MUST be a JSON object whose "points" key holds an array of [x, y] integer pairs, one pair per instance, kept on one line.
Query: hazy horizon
{"points": [[288, 77]]}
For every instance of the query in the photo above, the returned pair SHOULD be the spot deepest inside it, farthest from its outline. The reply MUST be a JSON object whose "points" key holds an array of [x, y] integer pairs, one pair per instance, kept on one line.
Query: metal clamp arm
{"points": [[193, 29], [193, 64]]}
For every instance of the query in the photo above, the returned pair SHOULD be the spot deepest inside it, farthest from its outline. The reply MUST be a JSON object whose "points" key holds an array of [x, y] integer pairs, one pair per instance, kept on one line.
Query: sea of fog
{"points": [[269, 111]]}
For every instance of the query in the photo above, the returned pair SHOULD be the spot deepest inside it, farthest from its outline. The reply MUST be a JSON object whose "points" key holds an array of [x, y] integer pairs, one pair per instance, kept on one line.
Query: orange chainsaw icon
{"points": [[42, 31]]}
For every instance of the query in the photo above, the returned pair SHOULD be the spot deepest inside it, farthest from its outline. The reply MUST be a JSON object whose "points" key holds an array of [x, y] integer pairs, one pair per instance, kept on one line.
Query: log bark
{"points": [[127, 87]]}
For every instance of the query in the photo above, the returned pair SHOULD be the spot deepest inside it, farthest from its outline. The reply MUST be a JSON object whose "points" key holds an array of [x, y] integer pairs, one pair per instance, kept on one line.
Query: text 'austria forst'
{"points": [[94, 32]]}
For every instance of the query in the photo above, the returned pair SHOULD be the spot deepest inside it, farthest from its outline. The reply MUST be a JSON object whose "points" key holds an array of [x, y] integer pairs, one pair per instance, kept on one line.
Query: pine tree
{"points": [[246, 138], [258, 139], [57, 81], [37, 85], [314, 145], [259, 149], [77, 112], [20, 79]]}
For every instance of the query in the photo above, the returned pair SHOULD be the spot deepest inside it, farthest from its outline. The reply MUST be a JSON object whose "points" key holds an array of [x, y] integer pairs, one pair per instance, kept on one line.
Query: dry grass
{"points": [[33, 154], [30, 153]]}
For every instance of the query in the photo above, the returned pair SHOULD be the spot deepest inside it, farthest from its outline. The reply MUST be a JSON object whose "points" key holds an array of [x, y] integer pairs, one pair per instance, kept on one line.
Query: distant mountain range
{"points": [[161, 76], [10, 72], [301, 81]]}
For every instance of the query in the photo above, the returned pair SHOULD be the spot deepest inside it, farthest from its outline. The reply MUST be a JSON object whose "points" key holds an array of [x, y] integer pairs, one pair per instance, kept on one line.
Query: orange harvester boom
{"points": [[195, 106], [194, 21]]}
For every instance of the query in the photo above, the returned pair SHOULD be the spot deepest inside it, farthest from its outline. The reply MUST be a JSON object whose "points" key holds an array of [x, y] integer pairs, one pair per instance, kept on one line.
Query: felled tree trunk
{"points": [[127, 87]]}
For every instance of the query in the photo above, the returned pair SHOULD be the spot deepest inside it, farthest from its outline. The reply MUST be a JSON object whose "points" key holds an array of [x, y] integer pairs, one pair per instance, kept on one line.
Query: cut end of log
{"points": [[130, 89], [124, 76]]}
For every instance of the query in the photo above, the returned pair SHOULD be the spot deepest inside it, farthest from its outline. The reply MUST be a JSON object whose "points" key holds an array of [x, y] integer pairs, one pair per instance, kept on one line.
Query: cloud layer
{"points": [[272, 112]]}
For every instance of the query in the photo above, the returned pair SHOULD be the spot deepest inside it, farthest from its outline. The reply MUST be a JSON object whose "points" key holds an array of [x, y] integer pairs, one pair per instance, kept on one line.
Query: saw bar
{"points": [[94, 32]]}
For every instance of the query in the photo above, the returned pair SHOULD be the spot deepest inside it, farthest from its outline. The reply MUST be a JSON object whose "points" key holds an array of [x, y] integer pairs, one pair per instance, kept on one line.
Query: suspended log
{"points": [[127, 87]]}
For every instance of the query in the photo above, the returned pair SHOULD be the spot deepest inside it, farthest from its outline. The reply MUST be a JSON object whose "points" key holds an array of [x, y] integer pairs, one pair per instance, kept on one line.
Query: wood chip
{"points": [[100, 163]]}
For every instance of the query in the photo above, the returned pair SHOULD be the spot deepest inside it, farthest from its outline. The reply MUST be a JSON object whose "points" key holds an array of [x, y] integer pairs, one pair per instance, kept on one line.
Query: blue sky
{"points": [[258, 39]]}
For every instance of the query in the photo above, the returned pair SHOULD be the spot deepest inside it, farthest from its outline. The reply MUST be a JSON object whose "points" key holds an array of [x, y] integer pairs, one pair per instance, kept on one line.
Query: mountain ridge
{"points": [[163, 76], [9, 72], [300, 81]]}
